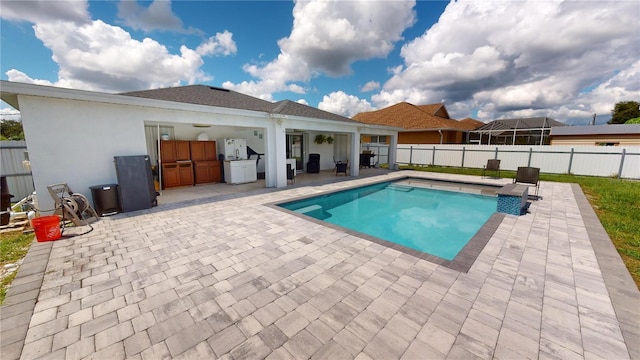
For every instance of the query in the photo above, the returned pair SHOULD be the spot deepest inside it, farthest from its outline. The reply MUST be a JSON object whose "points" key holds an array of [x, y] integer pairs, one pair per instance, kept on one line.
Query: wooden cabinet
{"points": [[170, 175], [177, 174], [174, 150], [203, 150], [186, 173], [167, 151], [183, 152], [189, 162], [207, 172]]}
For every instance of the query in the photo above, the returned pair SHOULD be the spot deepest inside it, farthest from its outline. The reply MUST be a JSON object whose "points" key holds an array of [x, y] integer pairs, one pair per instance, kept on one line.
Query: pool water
{"points": [[436, 222]]}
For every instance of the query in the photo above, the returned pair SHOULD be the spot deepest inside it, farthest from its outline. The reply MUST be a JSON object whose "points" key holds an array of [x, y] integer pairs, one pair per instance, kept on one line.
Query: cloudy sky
{"points": [[484, 59]]}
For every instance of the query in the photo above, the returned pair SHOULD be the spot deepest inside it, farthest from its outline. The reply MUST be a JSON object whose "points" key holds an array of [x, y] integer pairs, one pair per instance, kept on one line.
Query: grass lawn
{"points": [[13, 247], [615, 201]]}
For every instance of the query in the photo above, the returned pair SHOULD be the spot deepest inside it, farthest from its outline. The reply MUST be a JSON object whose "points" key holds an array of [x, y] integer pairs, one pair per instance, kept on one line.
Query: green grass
{"points": [[615, 201], [13, 247]]}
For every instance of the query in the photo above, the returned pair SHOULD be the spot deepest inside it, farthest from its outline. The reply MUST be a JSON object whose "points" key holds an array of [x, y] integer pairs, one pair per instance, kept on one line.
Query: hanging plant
{"points": [[319, 139], [329, 140]]}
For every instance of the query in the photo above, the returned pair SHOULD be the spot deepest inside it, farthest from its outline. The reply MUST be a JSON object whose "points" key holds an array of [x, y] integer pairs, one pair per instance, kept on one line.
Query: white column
{"points": [[393, 151], [354, 159], [276, 153]]}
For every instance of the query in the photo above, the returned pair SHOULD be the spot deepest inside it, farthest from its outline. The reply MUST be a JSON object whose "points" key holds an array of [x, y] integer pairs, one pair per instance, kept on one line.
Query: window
{"points": [[382, 139]]}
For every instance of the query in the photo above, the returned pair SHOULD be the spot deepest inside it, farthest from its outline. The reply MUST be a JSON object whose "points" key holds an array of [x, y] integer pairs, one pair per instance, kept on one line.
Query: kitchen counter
{"points": [[240, 171]]}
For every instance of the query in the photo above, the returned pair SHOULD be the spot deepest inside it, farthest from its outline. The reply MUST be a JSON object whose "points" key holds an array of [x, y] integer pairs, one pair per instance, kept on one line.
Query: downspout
{"points": [[440, 131]]}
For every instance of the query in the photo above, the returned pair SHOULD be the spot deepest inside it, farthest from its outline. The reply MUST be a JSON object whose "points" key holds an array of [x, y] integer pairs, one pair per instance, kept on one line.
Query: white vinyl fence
{"points": [[19, 180], [614, 161]]}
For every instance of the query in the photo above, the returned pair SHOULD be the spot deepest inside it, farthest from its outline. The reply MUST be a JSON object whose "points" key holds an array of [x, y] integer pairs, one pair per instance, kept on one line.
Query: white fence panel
{"points": [[19, 180], [578, 160]]}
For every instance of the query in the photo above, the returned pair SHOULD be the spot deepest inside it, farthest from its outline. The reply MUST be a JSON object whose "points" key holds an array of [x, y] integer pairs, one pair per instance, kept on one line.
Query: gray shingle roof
{"points": [[213, 96]]}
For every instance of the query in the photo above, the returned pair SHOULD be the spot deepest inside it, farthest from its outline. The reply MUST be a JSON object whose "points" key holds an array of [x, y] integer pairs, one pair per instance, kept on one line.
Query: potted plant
{"points": [[319, 139], [329, 139]]}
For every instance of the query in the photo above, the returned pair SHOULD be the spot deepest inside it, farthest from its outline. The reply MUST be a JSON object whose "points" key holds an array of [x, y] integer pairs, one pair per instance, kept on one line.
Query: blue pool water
{"points": [[436, 222]]}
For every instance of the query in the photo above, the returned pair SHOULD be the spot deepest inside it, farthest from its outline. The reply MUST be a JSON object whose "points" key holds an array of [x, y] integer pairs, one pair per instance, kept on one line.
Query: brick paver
{"points": [[239, 279]]}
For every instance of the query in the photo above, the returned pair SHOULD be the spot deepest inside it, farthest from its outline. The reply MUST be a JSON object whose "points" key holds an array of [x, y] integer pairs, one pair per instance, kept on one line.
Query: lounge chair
{"points": [[492, 165], [528, 175]]}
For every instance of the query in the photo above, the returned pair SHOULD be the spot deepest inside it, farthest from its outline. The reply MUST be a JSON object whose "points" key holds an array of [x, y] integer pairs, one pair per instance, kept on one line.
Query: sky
{"points": [[566, 60]]}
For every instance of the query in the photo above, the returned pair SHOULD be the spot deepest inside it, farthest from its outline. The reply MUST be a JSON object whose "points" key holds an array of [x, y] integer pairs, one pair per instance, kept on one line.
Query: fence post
{"points": [[570, 161], [530, 153], [624, 152], [462, 166], [433, 157], [411, 155], [496, 154]]}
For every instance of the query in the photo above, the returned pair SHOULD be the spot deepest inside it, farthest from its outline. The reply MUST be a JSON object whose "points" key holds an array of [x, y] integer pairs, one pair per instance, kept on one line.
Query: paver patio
{"points": [[235, 278]]}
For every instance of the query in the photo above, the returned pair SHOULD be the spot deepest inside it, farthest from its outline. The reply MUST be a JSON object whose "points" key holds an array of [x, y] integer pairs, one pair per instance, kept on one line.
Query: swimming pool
{"points": [[433, 221]]}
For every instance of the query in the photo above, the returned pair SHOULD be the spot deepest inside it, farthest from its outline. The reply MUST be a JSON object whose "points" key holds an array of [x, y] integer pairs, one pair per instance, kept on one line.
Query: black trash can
{"points": [[106, 200]]}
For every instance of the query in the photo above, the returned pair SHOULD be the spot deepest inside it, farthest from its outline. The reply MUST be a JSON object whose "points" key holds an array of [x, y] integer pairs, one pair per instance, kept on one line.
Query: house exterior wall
{"points": [[617, 140], [74, 142], [430, 137]]}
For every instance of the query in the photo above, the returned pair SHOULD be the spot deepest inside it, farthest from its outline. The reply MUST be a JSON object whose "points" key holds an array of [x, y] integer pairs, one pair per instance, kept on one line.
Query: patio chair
{"points": [[291, 174], [313, 166], [528, 175], [492, 165], [341, 166]]}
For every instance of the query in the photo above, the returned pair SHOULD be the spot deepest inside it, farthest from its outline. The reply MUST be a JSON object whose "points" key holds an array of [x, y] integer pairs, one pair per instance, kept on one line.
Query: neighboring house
{"points": [[521, 131], [73, 135], [421, 124], [603, 135]]}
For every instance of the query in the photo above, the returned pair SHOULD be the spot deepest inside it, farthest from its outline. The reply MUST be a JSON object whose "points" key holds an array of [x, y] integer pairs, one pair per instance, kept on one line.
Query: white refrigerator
{"points": [[233, 149]]}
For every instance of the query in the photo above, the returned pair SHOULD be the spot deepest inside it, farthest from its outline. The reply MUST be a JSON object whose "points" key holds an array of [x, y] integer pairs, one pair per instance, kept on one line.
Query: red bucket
{"points": [[47, 228]]}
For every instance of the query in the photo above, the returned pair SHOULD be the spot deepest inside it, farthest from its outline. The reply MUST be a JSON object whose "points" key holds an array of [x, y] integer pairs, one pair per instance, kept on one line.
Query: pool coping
{"points": [[462, 262]]}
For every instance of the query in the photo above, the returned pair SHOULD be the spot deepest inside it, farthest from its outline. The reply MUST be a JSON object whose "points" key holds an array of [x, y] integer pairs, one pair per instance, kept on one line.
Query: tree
{"points": [[624, 111], [633, 121], [11, 130]]}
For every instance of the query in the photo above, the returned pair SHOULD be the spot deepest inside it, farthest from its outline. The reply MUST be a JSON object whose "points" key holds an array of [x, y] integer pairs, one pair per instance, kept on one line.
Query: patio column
{"points": [[276, 165], [393, 151], [354, 159]]}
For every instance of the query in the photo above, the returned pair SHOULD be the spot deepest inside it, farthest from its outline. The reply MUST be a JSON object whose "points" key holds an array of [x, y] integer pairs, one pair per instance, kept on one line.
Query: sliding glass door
{"points": [[295, 149]]}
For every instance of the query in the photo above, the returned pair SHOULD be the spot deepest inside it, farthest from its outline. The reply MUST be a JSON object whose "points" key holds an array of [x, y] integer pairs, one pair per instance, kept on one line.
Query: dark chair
{"points": [[313, 166], [291, 174], [492, 165], [341, 166], [528, 175]]}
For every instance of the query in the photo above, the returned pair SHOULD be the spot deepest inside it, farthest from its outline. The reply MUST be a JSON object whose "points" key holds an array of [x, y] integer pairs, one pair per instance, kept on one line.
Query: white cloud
{"points": [[370, 86], [327, 37], [220, 44], [9, 113], [39, 11], [343, 104], [98, 56], [158, 16], [502, 58], [93, 55]]}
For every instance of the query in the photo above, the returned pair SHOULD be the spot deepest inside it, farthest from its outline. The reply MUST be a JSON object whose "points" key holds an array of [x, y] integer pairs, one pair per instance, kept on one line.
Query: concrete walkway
{"points": [[235, 278]]}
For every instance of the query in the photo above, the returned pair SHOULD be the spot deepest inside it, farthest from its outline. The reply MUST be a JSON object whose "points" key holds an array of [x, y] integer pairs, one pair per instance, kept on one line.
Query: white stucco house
{"points": [[73, 135]]}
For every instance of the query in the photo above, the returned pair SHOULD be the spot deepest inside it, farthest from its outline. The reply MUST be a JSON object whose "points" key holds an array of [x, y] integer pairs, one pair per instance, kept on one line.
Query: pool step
{"points": [[398, 187]]}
